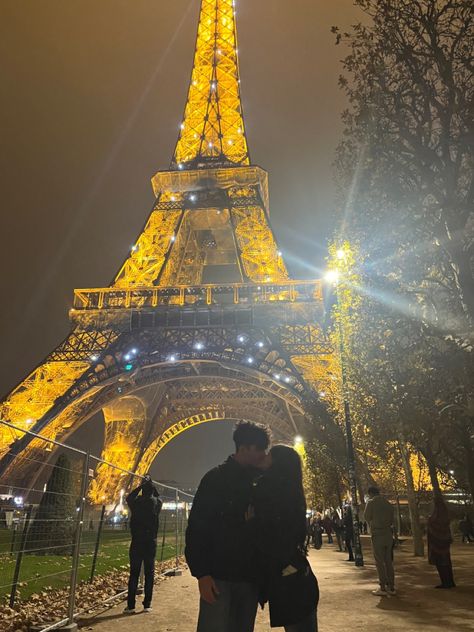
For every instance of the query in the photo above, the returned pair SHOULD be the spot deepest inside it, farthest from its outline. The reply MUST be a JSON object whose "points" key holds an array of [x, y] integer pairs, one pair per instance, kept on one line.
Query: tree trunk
{"points": [[418, 545], [433, 472], [338, 489], [399, 516], [469, 456]]}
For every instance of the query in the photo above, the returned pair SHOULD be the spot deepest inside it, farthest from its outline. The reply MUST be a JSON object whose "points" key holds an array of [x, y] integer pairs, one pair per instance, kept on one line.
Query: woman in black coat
{"points": [[439, 542], [279, 509]]}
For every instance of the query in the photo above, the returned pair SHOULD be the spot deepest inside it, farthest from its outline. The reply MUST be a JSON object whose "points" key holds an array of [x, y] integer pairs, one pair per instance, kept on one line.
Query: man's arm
{"points": [[131, 498], [392, 515], [199, 534], [368, 513]]}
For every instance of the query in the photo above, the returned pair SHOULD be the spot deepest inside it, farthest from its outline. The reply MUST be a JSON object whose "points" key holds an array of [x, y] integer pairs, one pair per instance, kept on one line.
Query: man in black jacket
{"points": [[145, 508], [219, 544]]}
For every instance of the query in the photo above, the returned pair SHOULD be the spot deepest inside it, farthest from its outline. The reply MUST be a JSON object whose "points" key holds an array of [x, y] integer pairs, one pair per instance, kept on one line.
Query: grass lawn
{"points": [[40, 571]]}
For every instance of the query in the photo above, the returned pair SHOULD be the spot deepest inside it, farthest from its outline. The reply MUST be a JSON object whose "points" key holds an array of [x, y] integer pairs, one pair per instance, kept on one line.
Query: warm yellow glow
{"points": [[213, 120]]}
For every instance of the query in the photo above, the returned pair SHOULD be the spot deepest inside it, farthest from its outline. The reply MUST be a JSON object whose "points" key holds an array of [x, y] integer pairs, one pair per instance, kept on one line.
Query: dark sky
{"points": [[92, 94]]}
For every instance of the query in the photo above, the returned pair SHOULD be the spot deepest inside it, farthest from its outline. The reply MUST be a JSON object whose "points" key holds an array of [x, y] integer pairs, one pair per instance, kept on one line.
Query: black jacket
{"points": [[144, 521], [348, 524], [218, 540], [280, 523]]}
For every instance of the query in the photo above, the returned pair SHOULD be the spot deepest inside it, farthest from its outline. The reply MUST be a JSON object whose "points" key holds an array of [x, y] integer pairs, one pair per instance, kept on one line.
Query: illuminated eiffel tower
{"points": [[202, 323]]}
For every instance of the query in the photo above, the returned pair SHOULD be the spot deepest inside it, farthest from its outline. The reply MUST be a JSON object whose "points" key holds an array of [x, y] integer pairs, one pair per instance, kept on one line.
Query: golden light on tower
{"points": [[257, 333]]}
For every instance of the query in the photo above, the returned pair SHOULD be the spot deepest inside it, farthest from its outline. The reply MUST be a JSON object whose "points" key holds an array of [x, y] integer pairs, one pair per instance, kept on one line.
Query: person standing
{"points": [[145, 507], [439, 542], [465, 529], [348, 532], [279, 518], [327, 524], [338, 528], [379, 515], [220, 549]]}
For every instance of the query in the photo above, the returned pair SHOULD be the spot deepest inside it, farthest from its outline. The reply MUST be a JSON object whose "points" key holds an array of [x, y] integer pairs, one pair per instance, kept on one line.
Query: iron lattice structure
{"points": [[202, 323]]}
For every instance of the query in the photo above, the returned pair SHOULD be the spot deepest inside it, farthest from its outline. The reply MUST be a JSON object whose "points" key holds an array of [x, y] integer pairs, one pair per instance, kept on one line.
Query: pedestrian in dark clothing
{"points": [[465, 529], [145, 507], [470, 526], [286, 578], [220, 547], [327, 525], [338, 529], [439, 542], [316, 533], [348, 532]]}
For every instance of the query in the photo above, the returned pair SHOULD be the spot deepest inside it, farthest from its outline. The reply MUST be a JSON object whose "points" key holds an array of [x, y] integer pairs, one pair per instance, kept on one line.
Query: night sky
{"points": [[92, 94]]}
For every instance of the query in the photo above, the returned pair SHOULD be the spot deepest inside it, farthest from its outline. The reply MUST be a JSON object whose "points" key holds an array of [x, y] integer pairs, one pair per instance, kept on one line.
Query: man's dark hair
{"points": [[373, 491], [249, 433]]}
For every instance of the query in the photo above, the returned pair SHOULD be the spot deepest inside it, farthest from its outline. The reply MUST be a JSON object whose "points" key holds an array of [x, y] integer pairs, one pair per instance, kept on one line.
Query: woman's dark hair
{"points": [[374, 491], [286, 463], [286, 470], [248, 433]]}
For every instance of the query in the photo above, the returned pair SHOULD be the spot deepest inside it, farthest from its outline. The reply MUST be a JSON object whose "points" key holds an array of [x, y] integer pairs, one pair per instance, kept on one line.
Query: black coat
{"points": [[348, 525], [219, 541], [281, 531], [145, 510]]}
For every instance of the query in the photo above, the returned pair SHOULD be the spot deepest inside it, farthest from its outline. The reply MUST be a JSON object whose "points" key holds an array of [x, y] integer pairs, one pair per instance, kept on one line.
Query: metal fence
{"points": [[61, 555]]}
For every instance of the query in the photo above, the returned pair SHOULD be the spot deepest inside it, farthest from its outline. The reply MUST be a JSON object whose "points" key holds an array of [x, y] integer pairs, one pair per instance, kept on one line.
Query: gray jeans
{"points": [[234, 611], [382, 547]]}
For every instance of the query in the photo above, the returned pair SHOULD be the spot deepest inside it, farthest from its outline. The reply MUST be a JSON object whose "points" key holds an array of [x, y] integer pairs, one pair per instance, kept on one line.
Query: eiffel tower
{"points": [[202, 322]]}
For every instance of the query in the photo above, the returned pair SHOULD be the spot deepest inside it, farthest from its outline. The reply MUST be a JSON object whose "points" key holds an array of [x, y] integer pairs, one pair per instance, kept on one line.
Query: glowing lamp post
{"points": [[333, 277]]}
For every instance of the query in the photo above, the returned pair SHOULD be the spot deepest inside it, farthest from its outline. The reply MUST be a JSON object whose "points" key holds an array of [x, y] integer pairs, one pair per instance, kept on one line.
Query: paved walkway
{"points": [[346, 600]]}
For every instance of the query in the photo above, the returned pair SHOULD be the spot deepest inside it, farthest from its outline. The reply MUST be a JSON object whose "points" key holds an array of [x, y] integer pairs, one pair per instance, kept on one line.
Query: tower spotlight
{"points": [[260, 344], [172, 358], [241, 338], [199, 346], [250, 360], [340, 254], [299, 440]]}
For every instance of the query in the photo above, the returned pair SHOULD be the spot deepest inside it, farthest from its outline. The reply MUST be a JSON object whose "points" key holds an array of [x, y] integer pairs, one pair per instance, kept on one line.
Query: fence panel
{"points": [[61, 554]]}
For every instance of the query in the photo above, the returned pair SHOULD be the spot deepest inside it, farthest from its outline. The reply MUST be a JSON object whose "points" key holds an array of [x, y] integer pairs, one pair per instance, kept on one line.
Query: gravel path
{"points": [[346, 600]]}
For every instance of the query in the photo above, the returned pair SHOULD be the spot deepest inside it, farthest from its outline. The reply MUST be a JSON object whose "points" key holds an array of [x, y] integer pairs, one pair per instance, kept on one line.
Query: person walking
{"points": [[317, 532], [279, 518], [439, 542], [327, 524], [338, 528], [465, 529], [220, 549], [348, 532], [145, 507], [379, 515]]}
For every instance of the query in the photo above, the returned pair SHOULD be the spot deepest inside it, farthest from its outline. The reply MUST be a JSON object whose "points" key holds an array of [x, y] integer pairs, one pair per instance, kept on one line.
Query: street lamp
{"points": [[333, 277]]}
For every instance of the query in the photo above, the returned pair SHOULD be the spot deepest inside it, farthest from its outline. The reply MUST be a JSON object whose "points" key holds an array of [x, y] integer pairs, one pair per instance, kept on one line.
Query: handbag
{"points": [[293, 597]]}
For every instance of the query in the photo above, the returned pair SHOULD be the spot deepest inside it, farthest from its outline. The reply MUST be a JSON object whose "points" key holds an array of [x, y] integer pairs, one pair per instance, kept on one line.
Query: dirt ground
{"points": [[346, 599]]}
